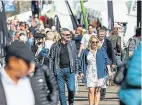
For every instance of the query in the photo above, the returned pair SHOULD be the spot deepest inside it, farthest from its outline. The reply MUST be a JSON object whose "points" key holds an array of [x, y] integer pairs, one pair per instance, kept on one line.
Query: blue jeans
{"points": [[118, 60], [65, 76]]}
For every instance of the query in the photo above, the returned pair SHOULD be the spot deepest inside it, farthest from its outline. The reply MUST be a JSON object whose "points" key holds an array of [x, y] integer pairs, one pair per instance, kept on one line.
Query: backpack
{"points": [[120, 74], [126, 49], [116, 44], [43, 55], [136, 41], [44, 52]]}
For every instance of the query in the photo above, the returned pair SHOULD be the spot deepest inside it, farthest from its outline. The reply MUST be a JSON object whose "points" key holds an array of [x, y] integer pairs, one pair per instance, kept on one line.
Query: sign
{"points": [[9, 5]]}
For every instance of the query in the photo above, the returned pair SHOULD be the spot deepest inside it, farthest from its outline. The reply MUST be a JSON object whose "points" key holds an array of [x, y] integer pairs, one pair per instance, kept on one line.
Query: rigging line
{"points": [[62, 13]]}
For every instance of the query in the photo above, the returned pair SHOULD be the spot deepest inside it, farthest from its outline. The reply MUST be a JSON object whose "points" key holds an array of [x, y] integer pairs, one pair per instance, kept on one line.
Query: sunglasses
{"points": [[66, 34], [95, 42]]}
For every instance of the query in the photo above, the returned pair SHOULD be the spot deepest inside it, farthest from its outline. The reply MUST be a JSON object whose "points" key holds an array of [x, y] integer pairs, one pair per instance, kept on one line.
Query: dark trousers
{"points": [[65, 76], [35, 12], [103, 93], [118, 60]]}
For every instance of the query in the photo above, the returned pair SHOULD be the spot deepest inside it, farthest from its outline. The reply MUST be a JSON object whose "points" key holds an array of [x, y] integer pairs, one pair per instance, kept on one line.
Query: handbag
{"points": [[120, 74]]}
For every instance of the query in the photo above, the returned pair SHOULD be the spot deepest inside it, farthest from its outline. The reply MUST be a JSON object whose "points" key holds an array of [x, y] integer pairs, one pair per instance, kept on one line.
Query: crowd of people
{"points": [[40, 60]]}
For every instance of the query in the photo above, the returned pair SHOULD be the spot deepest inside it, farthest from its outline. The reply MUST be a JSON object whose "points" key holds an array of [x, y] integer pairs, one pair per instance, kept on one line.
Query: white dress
{"points": [[91, 73]]}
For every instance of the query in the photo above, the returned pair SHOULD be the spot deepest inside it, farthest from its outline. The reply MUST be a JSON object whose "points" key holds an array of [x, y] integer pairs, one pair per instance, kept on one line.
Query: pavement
{"points": [[111, 96]]}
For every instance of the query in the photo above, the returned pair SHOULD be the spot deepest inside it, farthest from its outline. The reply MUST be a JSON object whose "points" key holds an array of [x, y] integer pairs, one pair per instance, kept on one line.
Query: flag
{"points": [[84, 14]]}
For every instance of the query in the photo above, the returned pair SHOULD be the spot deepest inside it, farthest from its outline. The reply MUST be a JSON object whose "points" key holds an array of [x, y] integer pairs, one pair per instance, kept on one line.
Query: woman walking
{"points": [[94, 61]]}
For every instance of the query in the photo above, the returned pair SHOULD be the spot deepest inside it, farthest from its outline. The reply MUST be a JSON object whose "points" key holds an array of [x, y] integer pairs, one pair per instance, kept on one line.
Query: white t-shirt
{"points": [[85, 40], [17, 94], [48, 44]]}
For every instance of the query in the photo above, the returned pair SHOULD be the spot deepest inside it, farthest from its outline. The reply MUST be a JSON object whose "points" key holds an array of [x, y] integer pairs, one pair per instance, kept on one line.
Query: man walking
{"points": [[35, 8], [116, 44], [23, 83], [106, 43], [85, 38], [63, 63]]}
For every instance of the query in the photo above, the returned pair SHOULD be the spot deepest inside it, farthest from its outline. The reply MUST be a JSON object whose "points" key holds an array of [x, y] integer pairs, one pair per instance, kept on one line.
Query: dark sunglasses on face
{"points": [[96, 42], [101, 34], [66, 34]]}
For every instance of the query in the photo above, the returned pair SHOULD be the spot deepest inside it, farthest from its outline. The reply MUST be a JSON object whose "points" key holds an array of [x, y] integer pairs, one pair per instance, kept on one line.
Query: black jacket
{"points": [[45, 92], [116, 44], [54, 57], [77, 40], [110, 51]]}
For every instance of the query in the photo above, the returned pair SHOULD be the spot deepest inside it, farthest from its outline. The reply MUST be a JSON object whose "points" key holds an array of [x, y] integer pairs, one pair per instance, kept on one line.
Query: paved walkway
{"points": [[111, 96]]}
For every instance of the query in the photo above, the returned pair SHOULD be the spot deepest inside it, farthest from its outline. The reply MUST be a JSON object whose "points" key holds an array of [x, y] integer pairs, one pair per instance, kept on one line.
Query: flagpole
{"points": [[139, 13], [110, 15], [74, 21], [3, 32]]}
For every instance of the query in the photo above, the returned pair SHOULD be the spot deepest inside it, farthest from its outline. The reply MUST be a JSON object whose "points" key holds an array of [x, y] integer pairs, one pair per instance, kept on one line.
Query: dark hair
{"points": [[22, 34], [21, 23], [17, 32], [103, 28], [7, 55], [79, 25], [7, 58], [138, 32], [27, 25]]}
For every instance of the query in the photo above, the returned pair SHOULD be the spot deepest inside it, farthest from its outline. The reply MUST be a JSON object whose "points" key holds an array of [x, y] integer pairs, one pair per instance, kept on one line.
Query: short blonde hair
{"points": [[90, 41], [50, 36]]}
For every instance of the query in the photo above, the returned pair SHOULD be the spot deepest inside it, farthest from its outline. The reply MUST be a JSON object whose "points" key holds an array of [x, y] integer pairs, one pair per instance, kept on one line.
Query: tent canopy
{"points": [[100, 7]]}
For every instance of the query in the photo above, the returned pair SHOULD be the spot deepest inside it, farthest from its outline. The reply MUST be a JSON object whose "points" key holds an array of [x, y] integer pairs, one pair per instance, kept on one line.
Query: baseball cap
{"points": [[20, 50]]}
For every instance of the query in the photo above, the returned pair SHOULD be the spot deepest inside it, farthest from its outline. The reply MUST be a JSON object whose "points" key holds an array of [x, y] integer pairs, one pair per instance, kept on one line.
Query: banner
{"points": [[84, 14]]}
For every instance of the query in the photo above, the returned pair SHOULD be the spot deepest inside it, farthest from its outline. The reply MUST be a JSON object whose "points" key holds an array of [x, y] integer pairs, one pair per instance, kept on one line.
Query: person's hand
{"points": [[110, 73], [81, 75], [113, 66], [78, 55], [27, 31], [73, 31]]}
